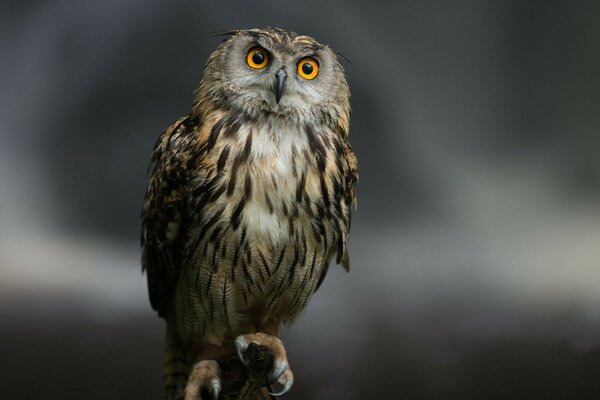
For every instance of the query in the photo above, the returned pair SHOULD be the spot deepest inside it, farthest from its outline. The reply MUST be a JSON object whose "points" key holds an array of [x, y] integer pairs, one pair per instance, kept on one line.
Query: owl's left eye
{"points": [[308, 68], [257, 58]]}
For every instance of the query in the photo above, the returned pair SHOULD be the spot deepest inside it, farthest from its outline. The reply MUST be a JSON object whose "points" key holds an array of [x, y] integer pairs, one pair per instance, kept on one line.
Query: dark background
{"points": [[475, 248]]}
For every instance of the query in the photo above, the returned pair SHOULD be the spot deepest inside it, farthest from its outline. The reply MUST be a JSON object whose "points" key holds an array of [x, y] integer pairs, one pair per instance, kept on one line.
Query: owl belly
{"points": [[255, 281], [285, 262]]}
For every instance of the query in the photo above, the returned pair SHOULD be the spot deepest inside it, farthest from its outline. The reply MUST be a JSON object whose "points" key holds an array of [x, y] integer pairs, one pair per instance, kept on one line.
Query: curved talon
{"points": [[240, 347], [287, 380], [270, 389], [277, 372], [215, 389], [286, 388]]}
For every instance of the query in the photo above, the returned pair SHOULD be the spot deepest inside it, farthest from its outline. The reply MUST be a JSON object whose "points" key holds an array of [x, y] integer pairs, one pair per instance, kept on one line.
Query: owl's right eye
{"points": [[257, 58]]}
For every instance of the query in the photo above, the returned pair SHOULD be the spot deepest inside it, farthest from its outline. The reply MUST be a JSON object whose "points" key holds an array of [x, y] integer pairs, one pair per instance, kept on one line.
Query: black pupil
{"points": [[258, 57], [307, 68]]}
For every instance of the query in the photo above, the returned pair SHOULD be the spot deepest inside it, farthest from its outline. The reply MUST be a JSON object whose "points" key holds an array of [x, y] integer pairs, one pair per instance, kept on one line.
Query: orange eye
{"points": [[257, 58], [308, 68]]}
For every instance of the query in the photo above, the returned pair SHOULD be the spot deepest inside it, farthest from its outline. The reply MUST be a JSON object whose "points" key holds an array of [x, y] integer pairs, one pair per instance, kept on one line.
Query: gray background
{"points": [[475, 248]]}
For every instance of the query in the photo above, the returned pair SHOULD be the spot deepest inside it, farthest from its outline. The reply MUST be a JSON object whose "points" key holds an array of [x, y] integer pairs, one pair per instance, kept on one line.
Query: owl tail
{"points": [[175, 366]]}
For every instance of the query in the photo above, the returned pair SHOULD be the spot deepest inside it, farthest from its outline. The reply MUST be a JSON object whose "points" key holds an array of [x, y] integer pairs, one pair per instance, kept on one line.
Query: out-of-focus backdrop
{"points": [[476, 245]]}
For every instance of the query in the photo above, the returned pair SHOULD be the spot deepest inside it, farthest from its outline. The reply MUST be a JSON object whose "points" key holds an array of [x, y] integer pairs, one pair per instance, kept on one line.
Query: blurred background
{"points": [[476, 245]]}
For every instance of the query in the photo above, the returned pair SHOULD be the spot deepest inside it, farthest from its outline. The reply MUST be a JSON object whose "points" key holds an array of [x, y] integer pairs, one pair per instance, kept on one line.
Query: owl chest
{"points": [[270, 182]]}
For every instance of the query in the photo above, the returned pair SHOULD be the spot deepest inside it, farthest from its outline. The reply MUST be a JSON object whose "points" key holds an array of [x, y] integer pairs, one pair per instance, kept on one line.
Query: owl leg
{"points": [[206, 373], [176, 367], [281, 371]]}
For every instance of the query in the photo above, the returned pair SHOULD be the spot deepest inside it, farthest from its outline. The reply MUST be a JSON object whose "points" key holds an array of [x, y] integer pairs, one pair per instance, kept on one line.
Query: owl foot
{"points": [[281, 372], [205, 375]]}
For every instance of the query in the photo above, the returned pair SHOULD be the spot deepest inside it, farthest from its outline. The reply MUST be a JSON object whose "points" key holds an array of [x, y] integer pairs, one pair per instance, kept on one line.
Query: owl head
{"points": [[273, 72]]}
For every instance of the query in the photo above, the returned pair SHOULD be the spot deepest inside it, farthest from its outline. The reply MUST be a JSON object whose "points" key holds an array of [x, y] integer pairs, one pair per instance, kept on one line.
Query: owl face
{"points": [[278, 72]]}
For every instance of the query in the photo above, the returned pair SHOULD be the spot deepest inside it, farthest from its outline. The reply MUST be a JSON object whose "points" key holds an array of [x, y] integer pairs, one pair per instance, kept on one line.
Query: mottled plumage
{"points": [[249, 198]]}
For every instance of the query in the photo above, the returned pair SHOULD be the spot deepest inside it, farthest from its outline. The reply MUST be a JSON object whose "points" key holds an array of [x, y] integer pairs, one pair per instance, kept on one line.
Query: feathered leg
{"points": [[176, 368]]}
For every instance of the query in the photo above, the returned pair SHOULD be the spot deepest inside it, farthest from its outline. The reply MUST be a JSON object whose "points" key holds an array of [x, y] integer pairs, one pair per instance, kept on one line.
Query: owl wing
{"points": [[164, 213], [349, 178], [345, 196]]}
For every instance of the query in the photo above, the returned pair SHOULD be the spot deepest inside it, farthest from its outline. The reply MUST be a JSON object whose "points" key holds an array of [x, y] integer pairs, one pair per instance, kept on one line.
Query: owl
{"points": [[249, 199]]}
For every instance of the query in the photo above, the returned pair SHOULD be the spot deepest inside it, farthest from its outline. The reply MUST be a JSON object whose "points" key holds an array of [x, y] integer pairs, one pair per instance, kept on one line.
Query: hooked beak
{"points": [[281, 75]]}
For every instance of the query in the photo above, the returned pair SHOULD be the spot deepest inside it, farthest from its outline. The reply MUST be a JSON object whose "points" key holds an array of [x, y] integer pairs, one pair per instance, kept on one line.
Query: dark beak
{"points": [[281, 75]]}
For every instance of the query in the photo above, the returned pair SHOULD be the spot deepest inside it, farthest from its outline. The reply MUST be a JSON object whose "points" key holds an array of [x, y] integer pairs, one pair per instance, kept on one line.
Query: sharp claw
{"points": [[215, 389], [240, 346], [277, 372], [270, 386], [286, 388]]}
